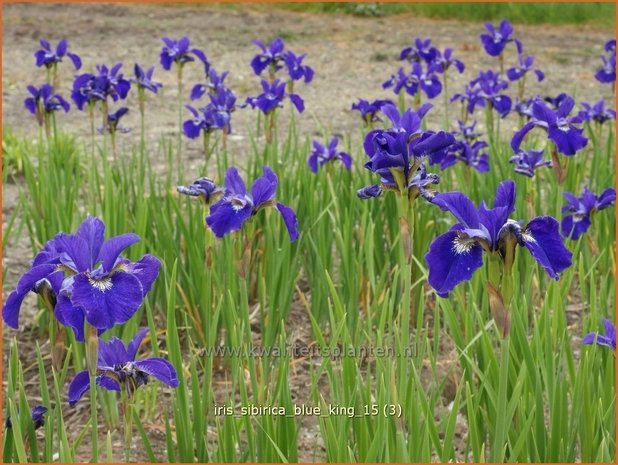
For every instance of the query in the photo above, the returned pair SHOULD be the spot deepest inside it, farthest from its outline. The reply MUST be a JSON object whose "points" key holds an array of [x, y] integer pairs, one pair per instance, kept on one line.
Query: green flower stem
{"points": [[92, 352]]}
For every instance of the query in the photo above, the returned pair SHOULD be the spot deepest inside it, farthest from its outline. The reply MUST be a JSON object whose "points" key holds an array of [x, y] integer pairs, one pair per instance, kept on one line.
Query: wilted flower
{"points": [[526, 162], [272, 97], [368, 110], [143, 79], [36, 414], [48, 58], [322, 155], [421, 50], [89, 279], [44, 102], [454, 256], [204, 188], [580, 210], [237, 205], [497, 39], [608, 339], [117, 369], [597, 113], [559, 127], [179, 52], [525, 65]]}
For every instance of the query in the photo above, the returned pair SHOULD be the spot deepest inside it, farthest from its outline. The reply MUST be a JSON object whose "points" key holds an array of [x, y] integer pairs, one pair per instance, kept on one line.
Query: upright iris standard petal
{"points": [[264, 188], [452, 258], [542, 238], [460, 206]]}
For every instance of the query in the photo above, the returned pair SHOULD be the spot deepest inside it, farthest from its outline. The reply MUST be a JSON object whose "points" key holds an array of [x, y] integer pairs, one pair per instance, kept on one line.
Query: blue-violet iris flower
{"points": [[497, 39], [559, 127], [237, 205], [37, 415], [49, 58], [607, 340], [322, 155], [179, 52], [44, 102], [527, 162], [580, 210], [454, 256], [525, 65], [89, 278], [272, 97], [118, 369]]}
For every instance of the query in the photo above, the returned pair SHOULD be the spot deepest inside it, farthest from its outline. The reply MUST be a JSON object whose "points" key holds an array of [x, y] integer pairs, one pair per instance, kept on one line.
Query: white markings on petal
{"points": [[462, 244], [101, 285], [527, 237]]}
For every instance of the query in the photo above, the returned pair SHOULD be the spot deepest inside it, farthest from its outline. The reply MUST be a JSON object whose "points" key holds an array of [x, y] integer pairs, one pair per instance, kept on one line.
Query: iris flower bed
{"points": [[391, 243]]}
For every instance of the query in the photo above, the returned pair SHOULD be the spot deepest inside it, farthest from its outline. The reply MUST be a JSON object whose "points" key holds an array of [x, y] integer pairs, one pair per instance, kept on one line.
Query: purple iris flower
{"points": [[270, 56], [143, 79], [524, 107], [179, 52], [368, 110], [421, 50], [581, 209], [113, 120], [527, 162], [497, 39], [44, 102], [559, 127], [204, 188], [467, 132], [273, 96], [427, 81], [454, 256], [445, 60], [397, 154], [117, 369], [606, 74], [203, 120], [470, 154], [296, 69], [89, 88], [215, 82], [490, 91], [597, 113], [470, 98], [608, 339], [88, 278], [216, 115], [322, 155], [237, 205], [525, 65], [554, 102], [37, 414], [49, 58]]}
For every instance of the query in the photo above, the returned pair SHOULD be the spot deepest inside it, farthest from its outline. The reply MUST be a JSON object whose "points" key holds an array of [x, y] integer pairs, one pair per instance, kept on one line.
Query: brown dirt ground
{"points": [[352, 56]]}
